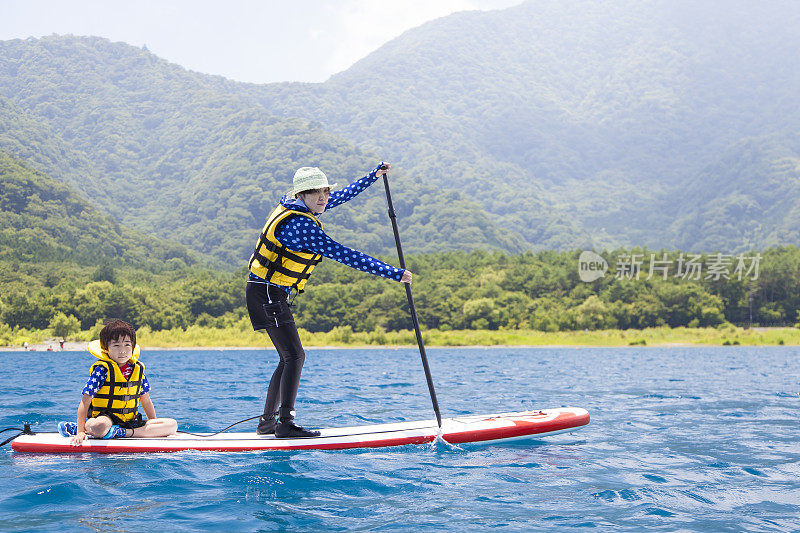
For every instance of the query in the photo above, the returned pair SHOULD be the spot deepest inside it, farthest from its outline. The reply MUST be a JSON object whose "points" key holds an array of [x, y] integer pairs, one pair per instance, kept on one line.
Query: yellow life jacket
{"points": [[275, 263], [118, 395]]}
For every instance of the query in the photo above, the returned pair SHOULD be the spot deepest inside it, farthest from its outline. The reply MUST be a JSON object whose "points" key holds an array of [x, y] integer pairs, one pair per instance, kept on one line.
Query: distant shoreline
{"points": [[210, 339], [42, 348]]}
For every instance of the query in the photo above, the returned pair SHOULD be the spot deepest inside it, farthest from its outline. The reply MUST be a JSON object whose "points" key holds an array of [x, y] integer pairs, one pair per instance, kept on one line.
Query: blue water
{"points": [[701, 439]]}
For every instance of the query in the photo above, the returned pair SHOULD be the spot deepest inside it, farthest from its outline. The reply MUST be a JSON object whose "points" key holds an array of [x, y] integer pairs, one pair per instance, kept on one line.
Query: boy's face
{"points": [[120, 350]]}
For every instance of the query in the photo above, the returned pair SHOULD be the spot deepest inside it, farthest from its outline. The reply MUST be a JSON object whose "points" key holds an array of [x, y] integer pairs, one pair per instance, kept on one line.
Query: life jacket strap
{"points": [[283, 252]]}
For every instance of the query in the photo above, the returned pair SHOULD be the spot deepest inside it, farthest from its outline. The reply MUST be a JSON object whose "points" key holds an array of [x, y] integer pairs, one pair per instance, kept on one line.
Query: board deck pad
{"points": [[458, 430]]}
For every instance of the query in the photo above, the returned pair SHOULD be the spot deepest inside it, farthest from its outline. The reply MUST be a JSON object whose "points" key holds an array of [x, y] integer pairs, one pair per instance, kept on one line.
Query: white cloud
{"points": [[362, 26], [246, 40]]}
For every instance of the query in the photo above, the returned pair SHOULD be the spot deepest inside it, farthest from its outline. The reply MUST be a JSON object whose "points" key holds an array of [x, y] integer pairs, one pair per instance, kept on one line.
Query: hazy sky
{"points": [[245, 40]]}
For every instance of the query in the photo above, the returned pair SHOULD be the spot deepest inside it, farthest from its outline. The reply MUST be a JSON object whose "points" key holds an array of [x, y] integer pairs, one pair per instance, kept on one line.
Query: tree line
{"points": [[453, 290]]}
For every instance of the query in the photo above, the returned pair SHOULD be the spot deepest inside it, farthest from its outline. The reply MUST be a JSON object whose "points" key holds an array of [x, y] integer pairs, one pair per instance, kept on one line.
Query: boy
{"points": [[115, 388]]}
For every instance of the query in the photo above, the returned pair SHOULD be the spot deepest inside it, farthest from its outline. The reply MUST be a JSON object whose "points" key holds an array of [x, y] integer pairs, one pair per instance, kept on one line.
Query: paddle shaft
{"points": [[414, 319]]}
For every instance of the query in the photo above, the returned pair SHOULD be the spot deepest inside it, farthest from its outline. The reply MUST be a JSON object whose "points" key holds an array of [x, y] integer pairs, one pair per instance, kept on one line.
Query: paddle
{"points": [[414, 319]]}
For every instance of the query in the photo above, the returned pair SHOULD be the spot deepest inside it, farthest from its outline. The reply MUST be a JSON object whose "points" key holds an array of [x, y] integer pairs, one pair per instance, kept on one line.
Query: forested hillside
{"points": [[60, 255], [174, 155], [626, 115], [552, 124], [749, 194], [45, 223], [67, 266], [453, 291]]}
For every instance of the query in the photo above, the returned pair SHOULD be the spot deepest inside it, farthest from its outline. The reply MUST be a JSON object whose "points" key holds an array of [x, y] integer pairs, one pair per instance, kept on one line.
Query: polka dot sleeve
{"points": [[354, 189], [300, 233]]}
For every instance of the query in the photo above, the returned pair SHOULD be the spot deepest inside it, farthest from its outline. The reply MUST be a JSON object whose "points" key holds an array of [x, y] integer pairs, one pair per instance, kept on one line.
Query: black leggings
{"points": [[269, 309]]}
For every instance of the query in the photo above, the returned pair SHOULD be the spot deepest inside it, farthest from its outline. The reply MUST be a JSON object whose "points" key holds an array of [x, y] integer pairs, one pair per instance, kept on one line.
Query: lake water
{"points": [[701, 439]]}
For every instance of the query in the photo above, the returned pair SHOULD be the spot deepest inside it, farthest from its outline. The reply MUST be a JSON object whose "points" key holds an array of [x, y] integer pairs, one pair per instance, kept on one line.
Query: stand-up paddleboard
{"points": [[466, 429]]}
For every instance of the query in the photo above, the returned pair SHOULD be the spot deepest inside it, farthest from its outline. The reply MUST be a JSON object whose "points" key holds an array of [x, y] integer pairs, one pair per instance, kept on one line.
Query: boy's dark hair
{"points": [[114, 330]]}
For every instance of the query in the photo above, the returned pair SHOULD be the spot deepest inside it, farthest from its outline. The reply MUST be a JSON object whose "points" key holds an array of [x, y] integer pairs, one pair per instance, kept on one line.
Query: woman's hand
{"points": [[384, 168], [406, 277]]}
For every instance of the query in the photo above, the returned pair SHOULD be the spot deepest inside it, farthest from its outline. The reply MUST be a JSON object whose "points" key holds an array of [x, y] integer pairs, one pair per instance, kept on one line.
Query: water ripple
{"points": [[706, 443]]}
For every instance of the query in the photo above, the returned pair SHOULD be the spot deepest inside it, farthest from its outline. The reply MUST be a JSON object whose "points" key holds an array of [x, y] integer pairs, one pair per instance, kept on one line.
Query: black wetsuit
{"points": [[269, 309]]}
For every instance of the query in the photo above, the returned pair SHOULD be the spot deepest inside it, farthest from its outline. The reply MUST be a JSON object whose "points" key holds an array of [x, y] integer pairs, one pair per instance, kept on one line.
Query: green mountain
{"points": [[174, 154], [44, 221], [749, 194], [61, 255], [608, 112], [63, 261], [552, 124], [30, 138]]}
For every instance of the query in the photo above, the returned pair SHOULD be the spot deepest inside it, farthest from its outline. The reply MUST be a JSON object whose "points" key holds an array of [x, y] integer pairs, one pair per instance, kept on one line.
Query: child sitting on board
{"points": [[110, 404]]}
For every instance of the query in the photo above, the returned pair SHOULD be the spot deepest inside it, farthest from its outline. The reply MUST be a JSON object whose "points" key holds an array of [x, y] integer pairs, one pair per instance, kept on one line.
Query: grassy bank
{"points": [[242, 335]]}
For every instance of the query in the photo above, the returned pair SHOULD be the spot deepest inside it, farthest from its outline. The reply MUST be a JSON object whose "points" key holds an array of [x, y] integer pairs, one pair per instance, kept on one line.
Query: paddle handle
{"points": [[414, 319]]}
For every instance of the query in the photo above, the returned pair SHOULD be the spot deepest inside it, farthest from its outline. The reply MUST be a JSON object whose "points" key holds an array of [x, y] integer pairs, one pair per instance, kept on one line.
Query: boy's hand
{"points": [[78, 439]]}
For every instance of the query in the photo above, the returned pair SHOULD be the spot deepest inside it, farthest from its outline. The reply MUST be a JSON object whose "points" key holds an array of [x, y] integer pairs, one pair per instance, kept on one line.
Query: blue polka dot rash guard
{"points": [[300, 233]]}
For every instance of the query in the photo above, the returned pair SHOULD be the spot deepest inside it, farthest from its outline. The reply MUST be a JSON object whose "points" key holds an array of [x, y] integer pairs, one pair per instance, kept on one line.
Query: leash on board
{"points": [[24, 430], [221, 430], [414, 319]]}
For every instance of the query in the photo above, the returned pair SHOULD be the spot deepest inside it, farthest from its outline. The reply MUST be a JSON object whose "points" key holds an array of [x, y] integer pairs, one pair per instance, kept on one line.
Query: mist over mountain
{"points": [[171, 153], [44, 221], [615, 113], [553, 124]]}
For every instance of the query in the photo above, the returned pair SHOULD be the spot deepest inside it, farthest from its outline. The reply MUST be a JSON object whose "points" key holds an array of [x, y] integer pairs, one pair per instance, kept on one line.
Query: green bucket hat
{"points": [[307, 178]]}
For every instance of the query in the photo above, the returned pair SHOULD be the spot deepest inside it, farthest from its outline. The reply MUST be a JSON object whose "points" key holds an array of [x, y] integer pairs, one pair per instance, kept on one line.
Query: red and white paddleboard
{"points": [[459, 430]]}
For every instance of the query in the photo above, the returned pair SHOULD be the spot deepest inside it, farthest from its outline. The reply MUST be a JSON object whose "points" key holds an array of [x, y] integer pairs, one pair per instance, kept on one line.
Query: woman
{"points": [[290, 246]]}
